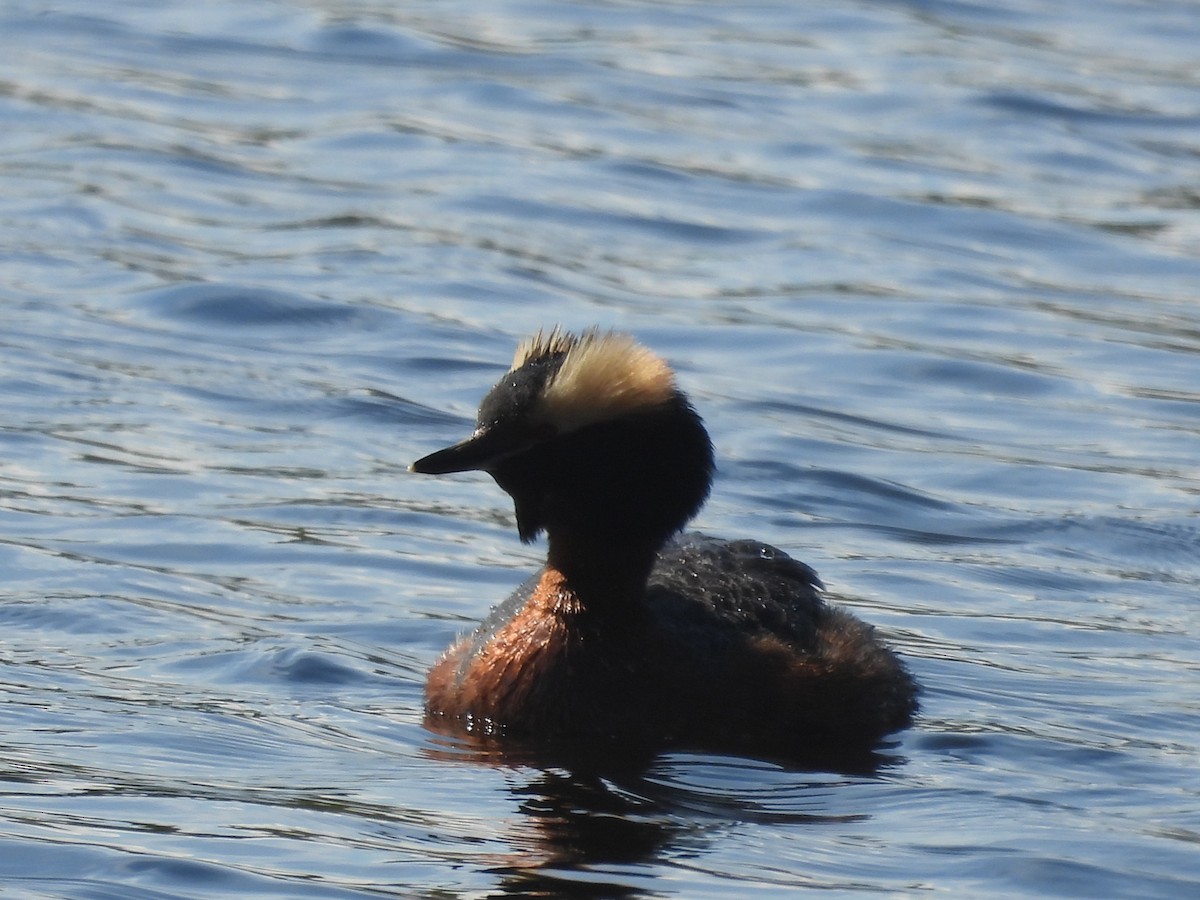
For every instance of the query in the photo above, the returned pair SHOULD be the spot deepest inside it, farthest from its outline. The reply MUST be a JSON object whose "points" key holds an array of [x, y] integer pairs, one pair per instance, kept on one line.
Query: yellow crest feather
{"points": [[603, 376]]}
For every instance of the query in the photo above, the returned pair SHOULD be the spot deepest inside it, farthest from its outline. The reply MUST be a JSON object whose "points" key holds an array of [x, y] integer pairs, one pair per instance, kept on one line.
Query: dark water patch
{"points": [[295, 667], [373, 45], [1027, 104], [868, 495], [230, 306], [581, 218], [802, 412]]}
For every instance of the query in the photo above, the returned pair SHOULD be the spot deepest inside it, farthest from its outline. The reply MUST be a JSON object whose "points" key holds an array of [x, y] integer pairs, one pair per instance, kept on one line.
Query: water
{"points": [[929, 270]]}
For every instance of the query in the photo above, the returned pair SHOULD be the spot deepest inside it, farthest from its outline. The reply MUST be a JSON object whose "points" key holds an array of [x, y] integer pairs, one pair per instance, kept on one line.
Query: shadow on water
{"points": [[597, 820]]}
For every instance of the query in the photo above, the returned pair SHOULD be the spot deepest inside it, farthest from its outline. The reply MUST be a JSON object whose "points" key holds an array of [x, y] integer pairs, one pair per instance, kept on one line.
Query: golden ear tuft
{"points": [[603, 376]]}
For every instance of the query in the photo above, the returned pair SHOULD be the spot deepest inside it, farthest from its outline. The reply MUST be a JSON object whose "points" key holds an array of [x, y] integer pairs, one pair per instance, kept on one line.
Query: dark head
{"points": [[596, 445]]}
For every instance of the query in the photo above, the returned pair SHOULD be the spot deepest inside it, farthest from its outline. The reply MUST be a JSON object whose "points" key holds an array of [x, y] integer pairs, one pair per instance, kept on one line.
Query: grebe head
{"points": [[594, 442]]}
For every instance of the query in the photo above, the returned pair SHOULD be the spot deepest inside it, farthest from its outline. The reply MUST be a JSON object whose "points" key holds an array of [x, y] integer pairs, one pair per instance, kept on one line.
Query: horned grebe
{"points": [[631, 631]]}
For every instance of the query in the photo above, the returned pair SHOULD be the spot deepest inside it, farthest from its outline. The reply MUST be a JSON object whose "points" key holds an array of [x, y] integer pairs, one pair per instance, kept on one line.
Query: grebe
{"points": [[630, 632]]}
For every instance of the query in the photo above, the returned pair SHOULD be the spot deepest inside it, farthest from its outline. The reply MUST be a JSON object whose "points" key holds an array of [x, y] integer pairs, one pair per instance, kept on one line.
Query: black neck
{"points": [[609, 495], [609, 578]]}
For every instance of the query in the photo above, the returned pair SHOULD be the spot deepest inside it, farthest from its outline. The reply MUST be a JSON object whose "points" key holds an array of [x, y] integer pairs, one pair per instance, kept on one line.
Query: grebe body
{"points": [[633, 632]]}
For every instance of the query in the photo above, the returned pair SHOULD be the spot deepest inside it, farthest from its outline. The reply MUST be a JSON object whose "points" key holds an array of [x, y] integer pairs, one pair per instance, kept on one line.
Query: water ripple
{"points": [[928, 271]]}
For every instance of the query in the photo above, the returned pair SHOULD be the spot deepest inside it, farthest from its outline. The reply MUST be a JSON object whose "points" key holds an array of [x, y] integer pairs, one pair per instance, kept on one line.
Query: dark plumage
{"points": [[629, 633]]}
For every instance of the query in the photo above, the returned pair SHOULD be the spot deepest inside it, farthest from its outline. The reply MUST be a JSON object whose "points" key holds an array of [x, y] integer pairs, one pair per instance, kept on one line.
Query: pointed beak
{"points": [[475, 453]]}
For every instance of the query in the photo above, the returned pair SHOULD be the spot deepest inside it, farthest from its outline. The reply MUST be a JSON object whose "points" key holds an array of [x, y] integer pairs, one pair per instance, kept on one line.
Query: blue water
{"points": [[929, 270]]}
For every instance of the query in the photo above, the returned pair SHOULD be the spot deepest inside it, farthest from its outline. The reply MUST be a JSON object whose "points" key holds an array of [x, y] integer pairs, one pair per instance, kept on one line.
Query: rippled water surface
{"points": [[929, 270]]}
